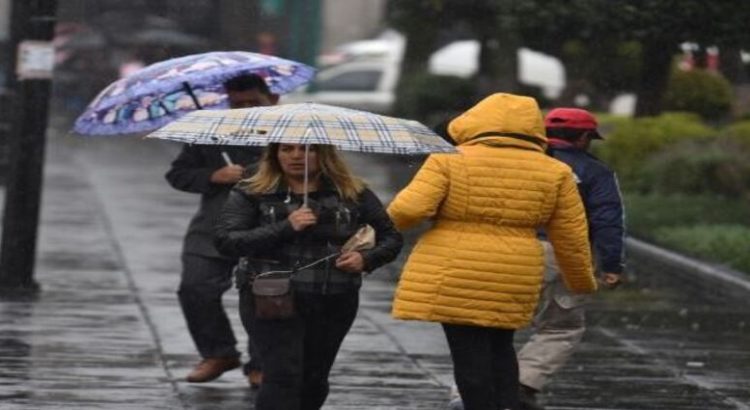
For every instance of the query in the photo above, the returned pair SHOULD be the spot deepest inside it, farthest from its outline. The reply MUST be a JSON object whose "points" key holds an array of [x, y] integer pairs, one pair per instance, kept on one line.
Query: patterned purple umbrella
{"points": [[162, 92]]}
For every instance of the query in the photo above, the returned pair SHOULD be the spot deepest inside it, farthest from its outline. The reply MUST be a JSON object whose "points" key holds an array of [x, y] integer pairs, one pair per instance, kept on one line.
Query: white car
{"points": [[363, 85], [361, 75]]}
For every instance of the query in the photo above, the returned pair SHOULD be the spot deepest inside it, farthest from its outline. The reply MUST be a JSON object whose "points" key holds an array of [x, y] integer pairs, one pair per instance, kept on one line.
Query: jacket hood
{"points": [[504, 119]]}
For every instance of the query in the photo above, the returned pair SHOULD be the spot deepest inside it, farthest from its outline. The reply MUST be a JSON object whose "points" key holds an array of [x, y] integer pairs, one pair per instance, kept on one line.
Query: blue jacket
{"points": [[600, 192]]}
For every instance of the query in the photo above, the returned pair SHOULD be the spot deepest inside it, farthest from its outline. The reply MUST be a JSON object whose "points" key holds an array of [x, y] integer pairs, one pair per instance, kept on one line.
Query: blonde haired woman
{"points": [[265, 220], [478, 270]]}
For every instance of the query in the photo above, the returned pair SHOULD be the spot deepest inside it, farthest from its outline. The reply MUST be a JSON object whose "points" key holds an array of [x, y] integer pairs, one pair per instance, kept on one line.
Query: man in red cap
{"points": [[559, 321]]}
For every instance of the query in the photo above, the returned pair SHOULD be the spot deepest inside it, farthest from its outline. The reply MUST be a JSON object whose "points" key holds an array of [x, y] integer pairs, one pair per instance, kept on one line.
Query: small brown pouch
{"points": [[273, 296]]}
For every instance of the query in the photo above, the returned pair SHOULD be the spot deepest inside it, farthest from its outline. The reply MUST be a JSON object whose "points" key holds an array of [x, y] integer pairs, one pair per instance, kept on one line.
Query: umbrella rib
{"points": [[350, 130], [164, 107], [190, 92], [315, 126], [382, 131]]}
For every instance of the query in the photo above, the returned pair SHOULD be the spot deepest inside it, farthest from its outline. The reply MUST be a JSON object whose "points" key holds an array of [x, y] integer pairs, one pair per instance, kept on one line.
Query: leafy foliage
{"points": [[738, 132], [720, 243], [632, 141], [705, 226], [715, 166], [703, 92], [609, 45], [646, 213]]}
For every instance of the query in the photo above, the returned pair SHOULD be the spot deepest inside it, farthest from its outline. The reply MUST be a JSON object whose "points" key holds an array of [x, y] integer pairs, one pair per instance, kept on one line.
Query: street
{"points": [[107, 332]]}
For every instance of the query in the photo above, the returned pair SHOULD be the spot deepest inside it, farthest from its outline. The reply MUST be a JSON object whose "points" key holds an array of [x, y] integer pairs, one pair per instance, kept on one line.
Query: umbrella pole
{"points": [[198, 105], [307, 160], [190, 92], [227, 158]]}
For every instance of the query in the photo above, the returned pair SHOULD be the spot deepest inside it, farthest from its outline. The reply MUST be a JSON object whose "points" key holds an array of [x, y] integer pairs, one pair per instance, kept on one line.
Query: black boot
{"points": [[527, 397]]}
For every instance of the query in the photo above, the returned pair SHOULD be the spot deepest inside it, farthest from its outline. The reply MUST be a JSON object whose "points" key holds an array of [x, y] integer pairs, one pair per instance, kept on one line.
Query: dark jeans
{"points": [[298, 352], [204, 281], [484, 366]]}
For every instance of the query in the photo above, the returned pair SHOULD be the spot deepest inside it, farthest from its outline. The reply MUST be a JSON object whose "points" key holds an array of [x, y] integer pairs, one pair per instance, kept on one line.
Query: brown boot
{"points": [[255, 378], [211, 368]]}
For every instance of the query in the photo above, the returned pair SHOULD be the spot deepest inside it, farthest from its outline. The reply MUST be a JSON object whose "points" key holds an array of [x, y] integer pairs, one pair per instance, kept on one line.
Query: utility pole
{"points": [[32, 29]]}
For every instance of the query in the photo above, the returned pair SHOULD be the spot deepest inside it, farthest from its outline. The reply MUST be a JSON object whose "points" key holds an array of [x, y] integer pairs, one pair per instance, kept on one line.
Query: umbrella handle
{"points": [[307, 160], [226, 157], [190, 92]]}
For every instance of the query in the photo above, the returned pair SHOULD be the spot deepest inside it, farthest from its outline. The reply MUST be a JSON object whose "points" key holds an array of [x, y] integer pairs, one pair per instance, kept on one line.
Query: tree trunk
{"points": [[657, 65], [730, 64], [237, 24], [420, 44], [498, 64], [574, 86]]}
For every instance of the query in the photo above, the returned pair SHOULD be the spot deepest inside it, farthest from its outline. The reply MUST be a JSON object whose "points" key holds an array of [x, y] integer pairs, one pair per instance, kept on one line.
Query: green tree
{"points": [[597, 60], [607, 46], [662, 25]]}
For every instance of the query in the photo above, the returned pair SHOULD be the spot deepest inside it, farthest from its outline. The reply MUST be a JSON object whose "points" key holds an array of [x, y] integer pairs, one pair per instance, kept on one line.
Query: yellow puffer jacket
{"points": [[481, 262]]}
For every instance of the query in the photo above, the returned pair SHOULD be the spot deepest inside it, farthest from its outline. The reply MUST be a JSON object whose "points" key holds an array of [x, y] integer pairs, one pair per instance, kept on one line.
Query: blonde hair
{"points": [[269, 173]]}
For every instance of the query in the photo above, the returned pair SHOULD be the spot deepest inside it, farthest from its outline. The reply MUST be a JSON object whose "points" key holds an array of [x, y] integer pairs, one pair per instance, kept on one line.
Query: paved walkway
{"points": [[106, 330]]}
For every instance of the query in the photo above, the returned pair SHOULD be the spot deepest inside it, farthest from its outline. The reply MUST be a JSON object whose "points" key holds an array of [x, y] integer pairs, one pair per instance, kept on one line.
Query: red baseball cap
{"points": [[574, 118]]}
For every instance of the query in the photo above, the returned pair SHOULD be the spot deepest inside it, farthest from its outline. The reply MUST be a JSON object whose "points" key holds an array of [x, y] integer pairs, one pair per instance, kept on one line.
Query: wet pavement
{"points": [[106, 330]]}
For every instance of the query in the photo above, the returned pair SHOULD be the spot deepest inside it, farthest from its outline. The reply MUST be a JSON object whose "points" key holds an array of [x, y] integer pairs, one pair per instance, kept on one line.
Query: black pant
{"points": [[484, 366], [298, 353], [204, 281]]}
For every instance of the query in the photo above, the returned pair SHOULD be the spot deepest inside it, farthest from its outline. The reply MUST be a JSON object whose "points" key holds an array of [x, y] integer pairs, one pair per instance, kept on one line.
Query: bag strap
{"points": [[298, 268]]}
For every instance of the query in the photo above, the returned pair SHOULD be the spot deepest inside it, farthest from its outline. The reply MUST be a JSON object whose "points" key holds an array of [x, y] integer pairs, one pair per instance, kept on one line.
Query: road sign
{"points": [[36, 59]]}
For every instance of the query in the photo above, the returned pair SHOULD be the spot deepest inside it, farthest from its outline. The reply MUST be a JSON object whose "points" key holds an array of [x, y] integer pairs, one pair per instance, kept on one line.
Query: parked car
{"points": [[361, 75]]}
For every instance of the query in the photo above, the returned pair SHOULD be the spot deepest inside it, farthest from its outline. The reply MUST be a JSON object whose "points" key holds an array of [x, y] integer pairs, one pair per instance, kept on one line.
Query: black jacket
{"points": [[191, 172], [601, 197], [256, 226]]}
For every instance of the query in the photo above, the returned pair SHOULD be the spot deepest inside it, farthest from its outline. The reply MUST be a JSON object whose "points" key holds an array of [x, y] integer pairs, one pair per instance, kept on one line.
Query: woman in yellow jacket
{"points": [[478, 269]]}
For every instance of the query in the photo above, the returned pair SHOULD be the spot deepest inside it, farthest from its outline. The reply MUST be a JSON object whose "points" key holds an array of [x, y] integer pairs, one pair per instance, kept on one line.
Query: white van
{"points": [[364, 74]]}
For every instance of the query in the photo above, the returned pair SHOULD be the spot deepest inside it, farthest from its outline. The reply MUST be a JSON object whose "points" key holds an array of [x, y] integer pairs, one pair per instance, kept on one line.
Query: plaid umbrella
{"points": [[159, 93], [306, 123]]}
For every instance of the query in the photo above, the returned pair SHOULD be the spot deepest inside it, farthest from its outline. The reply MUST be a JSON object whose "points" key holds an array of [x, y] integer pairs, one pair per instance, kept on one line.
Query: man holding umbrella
{"points": [[211, 171]]}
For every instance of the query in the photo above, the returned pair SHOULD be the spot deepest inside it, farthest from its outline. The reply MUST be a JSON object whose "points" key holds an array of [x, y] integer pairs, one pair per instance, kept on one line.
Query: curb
{"points": [[671, 265]]}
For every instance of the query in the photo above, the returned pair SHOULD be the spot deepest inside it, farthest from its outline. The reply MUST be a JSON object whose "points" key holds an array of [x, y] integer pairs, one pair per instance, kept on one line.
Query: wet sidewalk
{"points": [[107, 332]]}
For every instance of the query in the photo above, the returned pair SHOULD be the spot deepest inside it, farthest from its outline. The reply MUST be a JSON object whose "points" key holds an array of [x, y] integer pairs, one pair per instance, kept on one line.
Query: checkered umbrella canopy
{"points": [[307, 123]]}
